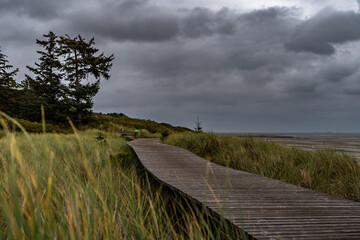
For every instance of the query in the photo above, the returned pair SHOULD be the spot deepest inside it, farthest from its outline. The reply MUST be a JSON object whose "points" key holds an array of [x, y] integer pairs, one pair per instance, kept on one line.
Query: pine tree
{"points": [[8, 86], [80, 63], [28, 103], [47, 85]]}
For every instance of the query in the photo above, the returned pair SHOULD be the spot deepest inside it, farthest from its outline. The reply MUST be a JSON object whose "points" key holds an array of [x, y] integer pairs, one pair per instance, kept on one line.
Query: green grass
{"points": [[90, 186], [325, 171], [112, 122], [115, 122]]}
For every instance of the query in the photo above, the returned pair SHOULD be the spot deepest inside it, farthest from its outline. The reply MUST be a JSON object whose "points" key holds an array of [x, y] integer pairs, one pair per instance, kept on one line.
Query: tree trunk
{"points": [[77, 88]]}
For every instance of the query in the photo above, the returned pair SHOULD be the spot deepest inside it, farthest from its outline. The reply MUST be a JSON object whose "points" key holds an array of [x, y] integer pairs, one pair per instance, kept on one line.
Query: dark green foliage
{"points": [[101, 139], [29, 106], [165, 134], [6, 73], [36, 127], [8, 86], [46, 87], [62, 59], [81, 62], [14, 101], [106, 122], [116, 121]]}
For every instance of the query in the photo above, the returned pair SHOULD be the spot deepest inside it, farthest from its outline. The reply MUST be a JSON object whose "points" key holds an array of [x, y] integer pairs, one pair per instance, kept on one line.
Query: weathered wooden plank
{"points": [[264, 208]]}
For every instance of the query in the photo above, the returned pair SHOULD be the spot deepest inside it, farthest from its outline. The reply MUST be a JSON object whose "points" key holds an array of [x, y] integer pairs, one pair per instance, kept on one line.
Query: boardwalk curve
{"points": [[262, 207]]}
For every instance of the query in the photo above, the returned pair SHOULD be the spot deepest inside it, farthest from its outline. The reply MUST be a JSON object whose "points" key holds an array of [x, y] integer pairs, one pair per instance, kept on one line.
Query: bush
{"points": [[165, 134], [35, 127], [115, 122]]}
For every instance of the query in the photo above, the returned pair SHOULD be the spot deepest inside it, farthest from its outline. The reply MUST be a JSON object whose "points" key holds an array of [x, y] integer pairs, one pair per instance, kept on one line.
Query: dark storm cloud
{"points": [[40, 9], [250, 63], [319, 33], [12, 31], [201, 22], [255, 44], [264, 15], [246, 74], [338, 72], [139, 21], [129, 20], [255, 69]]}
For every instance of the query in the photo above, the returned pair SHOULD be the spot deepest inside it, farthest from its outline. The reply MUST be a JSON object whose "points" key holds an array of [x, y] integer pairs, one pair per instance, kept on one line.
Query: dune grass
{"points": [[116, 122], [90, 186], [2, 134], [324, 170]]}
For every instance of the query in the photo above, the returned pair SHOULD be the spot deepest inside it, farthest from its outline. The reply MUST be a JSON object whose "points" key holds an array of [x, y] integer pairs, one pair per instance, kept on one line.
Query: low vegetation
{"points": [[325, 171], [89, 185], [112, 122], [117, 121]]}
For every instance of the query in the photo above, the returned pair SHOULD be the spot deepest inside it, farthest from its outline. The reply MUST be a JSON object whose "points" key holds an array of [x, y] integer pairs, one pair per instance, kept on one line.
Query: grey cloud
{"points": [[200, 22], [139, 21], [338, 72], [303, 86], [148, 28], [230, 68], [353, 91], [39, 9], [133, 21], [319, 33], [13, 32], [268, 14], [351, 84], [250, 48], [131, 4]]}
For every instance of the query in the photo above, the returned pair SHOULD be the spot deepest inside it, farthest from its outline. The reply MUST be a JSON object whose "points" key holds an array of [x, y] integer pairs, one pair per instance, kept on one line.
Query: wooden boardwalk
{"points": [[264, 208]]}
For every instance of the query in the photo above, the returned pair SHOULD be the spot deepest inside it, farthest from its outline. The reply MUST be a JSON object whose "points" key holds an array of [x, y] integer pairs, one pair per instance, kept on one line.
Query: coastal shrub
{"points": [[143, 133], [106, 121], [326, 171], [164, 134], [35, 127]]}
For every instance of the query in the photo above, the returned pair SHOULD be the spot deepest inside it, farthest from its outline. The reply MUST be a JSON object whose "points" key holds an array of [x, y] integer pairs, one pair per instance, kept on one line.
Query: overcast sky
{"points": [[240, 66]]}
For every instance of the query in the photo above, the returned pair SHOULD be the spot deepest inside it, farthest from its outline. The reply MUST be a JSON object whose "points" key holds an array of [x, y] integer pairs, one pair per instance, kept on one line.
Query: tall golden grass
{"points": [[89, 185]]}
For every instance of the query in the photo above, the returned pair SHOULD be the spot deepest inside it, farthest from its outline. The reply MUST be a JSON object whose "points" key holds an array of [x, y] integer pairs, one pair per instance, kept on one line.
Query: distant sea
{"points": [[342, 142]]}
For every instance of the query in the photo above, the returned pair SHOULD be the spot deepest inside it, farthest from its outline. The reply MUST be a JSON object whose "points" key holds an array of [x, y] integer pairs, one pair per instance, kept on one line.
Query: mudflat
{"points": [[342, 142]]}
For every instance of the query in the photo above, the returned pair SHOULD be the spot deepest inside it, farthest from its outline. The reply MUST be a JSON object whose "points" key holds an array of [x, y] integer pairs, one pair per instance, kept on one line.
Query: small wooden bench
{"points": [[124, 133]]}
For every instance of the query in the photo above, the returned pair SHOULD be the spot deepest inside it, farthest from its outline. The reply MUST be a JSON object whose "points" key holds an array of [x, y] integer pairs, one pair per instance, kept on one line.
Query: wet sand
{"points": [[342, 142]]}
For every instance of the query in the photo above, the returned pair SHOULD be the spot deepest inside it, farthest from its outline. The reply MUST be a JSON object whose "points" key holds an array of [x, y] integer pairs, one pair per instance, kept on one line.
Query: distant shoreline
{"points": [[343, 142], [284, 133]]}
